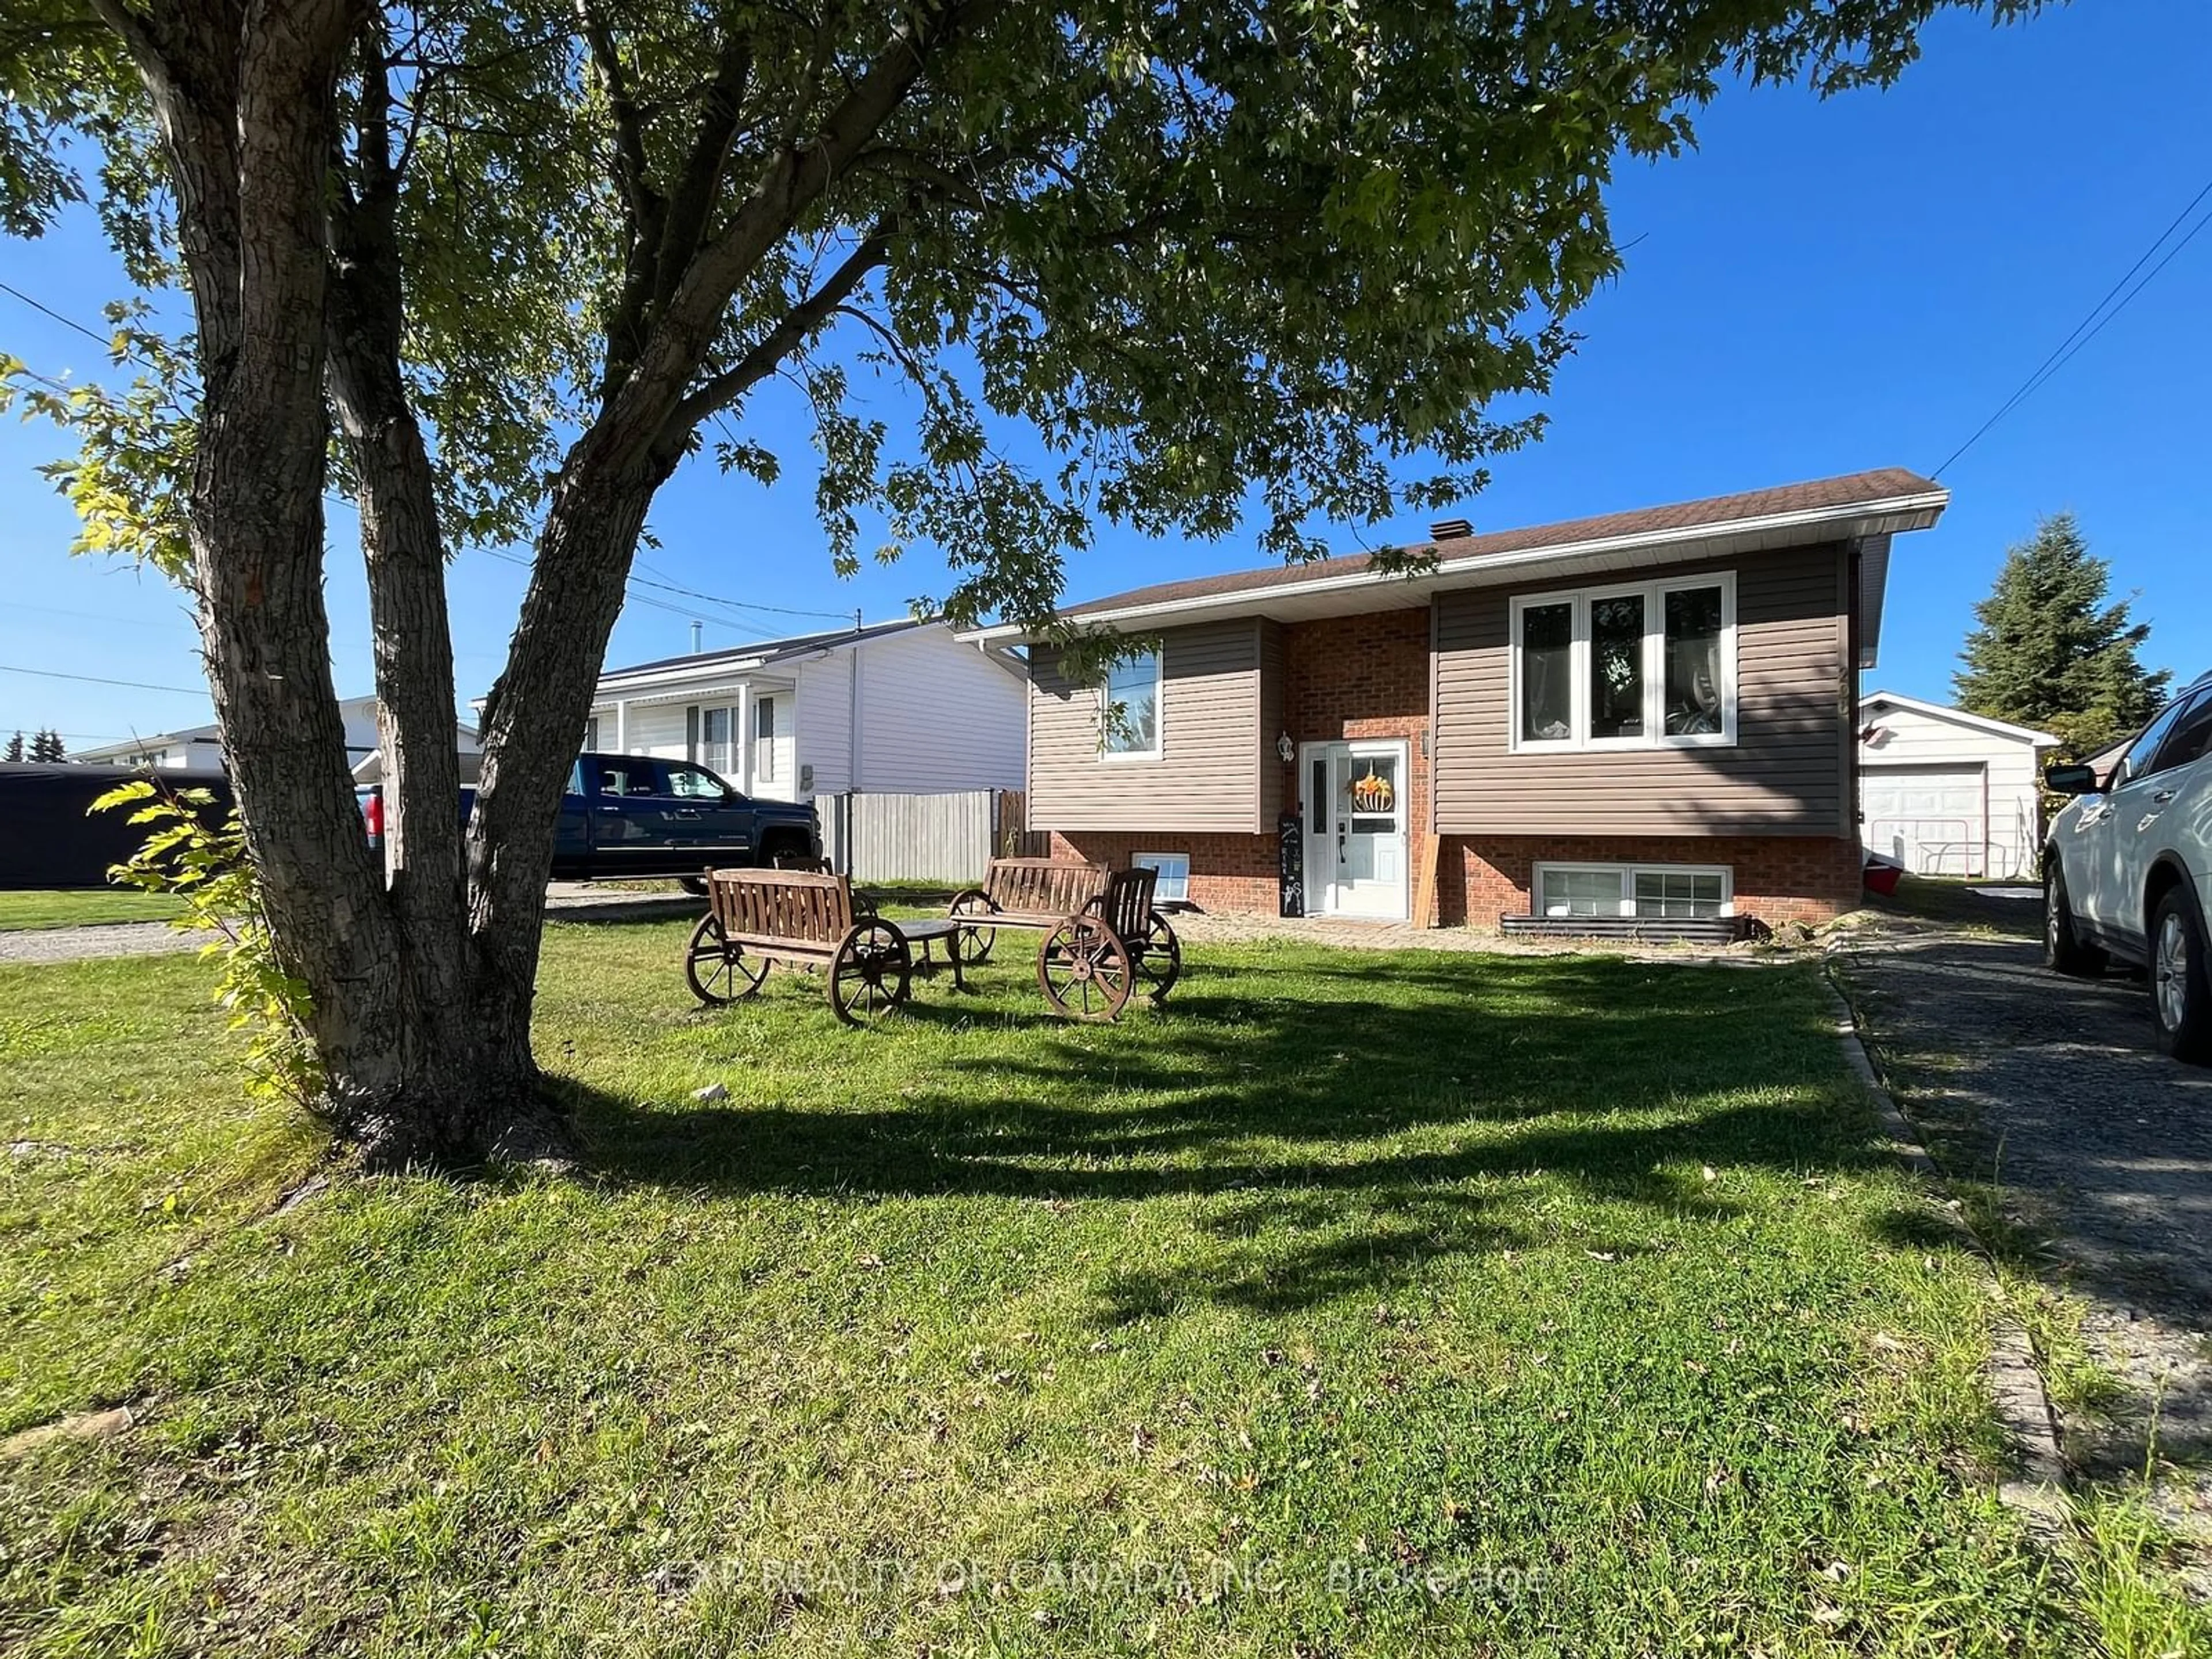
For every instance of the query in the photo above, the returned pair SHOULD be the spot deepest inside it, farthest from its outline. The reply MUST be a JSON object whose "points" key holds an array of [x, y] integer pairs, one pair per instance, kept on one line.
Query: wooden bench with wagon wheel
{"points": [[756, 919], [1102, 936]]}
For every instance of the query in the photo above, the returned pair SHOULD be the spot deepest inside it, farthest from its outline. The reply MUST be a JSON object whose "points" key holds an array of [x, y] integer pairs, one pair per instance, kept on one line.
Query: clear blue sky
{"points": [[1821, 287]]}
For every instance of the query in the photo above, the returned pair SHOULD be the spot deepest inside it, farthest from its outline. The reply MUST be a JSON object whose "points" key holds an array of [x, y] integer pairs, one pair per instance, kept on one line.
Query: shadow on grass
{"points": [[1362, 1134]]}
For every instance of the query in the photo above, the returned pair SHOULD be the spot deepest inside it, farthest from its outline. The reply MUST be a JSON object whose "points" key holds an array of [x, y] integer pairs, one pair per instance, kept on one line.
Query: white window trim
{"points": [[763, 754], [1123, 757], [1627, 873], [1139, 860], [1653, 736]]}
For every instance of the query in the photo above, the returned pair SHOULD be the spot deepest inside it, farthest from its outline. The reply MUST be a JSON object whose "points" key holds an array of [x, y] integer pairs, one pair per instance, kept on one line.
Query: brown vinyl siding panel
{"points": [[1273, 803], [1208, 777], [1788, 774]]}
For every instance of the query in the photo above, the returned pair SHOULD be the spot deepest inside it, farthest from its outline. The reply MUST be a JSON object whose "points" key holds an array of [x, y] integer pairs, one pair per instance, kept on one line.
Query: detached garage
{"points": [[1944, 792]]}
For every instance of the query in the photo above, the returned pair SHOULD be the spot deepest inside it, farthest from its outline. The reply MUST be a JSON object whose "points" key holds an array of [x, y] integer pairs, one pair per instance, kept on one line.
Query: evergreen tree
{"points": [[15, 747], [2051, 653], [55, 751], [45, 746]]}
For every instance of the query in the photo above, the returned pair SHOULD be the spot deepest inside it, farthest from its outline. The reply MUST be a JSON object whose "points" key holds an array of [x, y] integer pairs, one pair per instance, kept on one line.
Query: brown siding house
{"points": [[1643, 714]]}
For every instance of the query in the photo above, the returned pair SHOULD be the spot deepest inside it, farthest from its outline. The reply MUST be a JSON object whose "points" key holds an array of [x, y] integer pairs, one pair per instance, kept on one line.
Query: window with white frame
{"points": [[764, 738], [1647, 666], [1667, 892], [714, 749], [1132, 708], [1174, 885]]}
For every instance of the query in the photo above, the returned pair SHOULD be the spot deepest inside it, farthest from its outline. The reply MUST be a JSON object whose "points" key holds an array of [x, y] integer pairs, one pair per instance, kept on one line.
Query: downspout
{"points": [[852, 718], [852, 749]]}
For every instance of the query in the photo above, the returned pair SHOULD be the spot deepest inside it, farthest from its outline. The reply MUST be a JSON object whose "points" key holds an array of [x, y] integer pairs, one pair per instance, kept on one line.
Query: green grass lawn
{"points": [[1354, 1305], [21, 910]]}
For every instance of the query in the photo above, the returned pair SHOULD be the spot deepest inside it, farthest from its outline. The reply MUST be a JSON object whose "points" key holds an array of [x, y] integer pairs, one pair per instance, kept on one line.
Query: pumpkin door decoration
{"points": [[1373, 794]]}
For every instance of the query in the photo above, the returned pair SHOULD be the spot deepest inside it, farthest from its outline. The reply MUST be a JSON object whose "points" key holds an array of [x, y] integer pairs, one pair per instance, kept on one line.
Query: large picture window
{"points": [[1132, 710], [1651, 667]]}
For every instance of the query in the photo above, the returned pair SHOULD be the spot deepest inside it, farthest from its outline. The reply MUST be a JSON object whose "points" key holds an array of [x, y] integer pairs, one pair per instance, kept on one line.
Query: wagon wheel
{"points": [[718, 971], [1159, 959], [975, 942], [1084, 969], [870, 974]]}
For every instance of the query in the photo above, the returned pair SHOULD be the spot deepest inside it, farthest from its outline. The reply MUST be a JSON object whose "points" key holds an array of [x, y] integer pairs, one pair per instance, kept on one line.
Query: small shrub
{"points": [[206, 867]]}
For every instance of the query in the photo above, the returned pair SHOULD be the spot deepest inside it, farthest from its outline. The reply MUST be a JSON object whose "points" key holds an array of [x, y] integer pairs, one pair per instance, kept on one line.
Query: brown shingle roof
{"points": [[1885, 484]]}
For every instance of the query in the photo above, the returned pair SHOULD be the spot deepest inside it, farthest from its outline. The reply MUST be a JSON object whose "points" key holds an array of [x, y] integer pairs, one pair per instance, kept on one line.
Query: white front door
{"points": [[1355, 814]]}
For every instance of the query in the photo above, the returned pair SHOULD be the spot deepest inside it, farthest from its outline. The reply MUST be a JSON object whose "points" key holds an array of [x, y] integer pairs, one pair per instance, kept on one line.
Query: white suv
{"points": [[2127, 871]]}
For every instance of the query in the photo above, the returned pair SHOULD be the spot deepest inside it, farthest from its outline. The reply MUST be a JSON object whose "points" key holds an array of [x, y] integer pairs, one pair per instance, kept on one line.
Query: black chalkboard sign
{"points": [[1291, 871]]}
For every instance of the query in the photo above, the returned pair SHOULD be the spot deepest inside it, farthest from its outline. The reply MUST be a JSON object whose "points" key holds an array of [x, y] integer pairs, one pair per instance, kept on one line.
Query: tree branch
{"points": [[785, 338], [630, 166], [797, 179], [684, 224]]}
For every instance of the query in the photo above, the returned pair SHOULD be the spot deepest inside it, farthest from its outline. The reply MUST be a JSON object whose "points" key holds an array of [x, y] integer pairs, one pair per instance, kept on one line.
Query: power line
{"points": [[684, 611], [95, 679], [92, 335], [671, 587], [2064, 351], [98, 617], [638, 581]]}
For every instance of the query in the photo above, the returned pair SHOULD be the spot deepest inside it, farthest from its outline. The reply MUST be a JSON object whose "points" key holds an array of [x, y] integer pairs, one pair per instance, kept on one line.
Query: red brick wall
{"points": [[1353, 678], [1235, 874], [1811, 878]]}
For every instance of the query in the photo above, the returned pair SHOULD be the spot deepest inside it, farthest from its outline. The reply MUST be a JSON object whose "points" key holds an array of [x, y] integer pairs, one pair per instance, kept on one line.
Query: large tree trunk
{"points": [[445, 1096], [247, 110], [532, 721], [422, 990]]}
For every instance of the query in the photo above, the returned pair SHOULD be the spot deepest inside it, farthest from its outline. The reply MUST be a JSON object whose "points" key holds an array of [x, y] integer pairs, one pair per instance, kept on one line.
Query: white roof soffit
{"points": [[1368, 590]]}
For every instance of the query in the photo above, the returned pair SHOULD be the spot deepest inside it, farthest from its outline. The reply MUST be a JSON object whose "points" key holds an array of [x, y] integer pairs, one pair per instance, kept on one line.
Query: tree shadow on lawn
{"points": [[1359, 1136]]}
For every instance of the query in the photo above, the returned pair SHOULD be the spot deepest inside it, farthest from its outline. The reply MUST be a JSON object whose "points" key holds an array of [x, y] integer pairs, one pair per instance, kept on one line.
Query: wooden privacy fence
{"points": [[945, 840]]}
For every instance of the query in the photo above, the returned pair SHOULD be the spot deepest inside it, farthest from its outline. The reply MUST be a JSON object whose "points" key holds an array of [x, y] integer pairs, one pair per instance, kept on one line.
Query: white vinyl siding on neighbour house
{"points": [[927, 714], [657, 729], [1943, 797], [936, 715]]}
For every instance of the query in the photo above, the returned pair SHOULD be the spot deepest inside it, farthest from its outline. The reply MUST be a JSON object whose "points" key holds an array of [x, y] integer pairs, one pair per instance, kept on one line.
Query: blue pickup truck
{"points": [[633, 814]]}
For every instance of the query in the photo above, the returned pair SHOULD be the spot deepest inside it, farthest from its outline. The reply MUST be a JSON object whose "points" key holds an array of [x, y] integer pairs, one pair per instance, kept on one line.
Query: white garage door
{"points": [[1931, 819]]}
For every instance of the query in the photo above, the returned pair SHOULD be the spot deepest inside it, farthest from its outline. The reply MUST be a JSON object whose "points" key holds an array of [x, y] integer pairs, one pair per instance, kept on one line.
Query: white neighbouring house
{"points": [[898, 707], [199, 748], [1948, 794]]}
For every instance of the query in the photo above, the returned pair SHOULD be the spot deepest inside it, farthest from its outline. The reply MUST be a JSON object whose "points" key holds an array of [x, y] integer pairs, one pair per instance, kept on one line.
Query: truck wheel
{"points": [[694, 885], [2062, 948], [2180, 979]]}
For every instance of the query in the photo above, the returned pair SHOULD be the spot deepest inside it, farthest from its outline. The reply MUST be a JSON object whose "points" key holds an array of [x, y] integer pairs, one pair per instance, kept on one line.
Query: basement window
{"points": [[1670, 892], [1174, 886]]}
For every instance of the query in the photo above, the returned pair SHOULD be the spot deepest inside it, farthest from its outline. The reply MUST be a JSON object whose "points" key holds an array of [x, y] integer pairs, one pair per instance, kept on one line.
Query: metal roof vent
{"points": [[1450, 530]]}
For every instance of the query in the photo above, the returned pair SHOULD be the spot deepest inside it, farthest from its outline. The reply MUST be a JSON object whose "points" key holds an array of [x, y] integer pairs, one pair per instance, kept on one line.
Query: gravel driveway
{"points": [[2049, 1088]]}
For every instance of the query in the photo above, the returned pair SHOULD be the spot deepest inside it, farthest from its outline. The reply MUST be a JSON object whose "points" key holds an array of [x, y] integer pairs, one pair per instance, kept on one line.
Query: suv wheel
{"points": [[2180, 980], [2062, 948]]}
